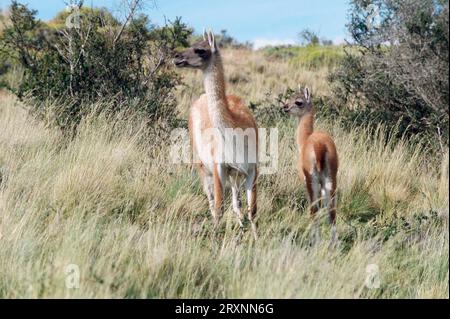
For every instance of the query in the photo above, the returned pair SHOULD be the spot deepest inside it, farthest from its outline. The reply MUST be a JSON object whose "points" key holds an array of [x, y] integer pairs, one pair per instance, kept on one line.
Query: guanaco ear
{"points": [[307, 94], [205, 35], [212, 41]]}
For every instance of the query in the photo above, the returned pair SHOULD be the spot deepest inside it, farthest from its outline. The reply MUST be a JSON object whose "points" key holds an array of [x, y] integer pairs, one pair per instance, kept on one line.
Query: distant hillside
{"points": [[313, 56]]}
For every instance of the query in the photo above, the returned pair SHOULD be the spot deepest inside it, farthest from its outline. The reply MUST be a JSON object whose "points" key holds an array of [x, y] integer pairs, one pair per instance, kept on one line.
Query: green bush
{"points": [[400, 74], [99, 59]]}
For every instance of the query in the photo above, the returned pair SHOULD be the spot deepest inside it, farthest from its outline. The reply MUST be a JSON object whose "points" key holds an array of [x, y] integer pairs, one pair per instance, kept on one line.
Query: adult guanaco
{"points": [[214, 119], [317, 158]]}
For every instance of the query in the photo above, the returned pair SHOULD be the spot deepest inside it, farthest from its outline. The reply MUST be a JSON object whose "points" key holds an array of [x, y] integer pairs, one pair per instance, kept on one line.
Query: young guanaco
{"points": [[317, 158]]}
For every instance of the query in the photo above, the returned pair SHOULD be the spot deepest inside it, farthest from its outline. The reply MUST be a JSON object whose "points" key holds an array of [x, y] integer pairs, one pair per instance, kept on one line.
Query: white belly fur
{"points": [[204, 144]]}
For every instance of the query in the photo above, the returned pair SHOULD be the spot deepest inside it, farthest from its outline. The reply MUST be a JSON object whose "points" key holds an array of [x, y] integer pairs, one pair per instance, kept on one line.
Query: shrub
{"points": [[99, 58], [309, 37], [400, 74], [268, 111]]}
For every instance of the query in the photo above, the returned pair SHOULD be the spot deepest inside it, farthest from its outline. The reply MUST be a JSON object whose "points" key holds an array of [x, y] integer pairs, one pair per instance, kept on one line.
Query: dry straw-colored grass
{"points": [[138, 226]]}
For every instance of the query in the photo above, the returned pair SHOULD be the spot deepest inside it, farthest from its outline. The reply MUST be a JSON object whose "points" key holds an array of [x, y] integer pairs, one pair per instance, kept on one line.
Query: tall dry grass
{"points": [[137, 226]]}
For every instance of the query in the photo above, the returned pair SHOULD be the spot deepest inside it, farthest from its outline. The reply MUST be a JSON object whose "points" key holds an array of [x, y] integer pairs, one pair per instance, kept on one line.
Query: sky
{"points": [[262, 22]]}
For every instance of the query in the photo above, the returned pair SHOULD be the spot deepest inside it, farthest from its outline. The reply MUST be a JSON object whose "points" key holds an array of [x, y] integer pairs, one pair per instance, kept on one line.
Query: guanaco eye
{"points": [[200, 51], [299, 103]]}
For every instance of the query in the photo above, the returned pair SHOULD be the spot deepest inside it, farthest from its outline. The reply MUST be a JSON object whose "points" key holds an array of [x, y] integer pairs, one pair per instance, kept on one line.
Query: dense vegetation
{"points": [[400, 74], [96, 59], [109, 201], [393, 70]]}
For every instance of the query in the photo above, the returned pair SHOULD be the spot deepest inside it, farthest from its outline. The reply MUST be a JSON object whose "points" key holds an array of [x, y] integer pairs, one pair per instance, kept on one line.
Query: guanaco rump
{"points": [[213, 119], [318, 158]]}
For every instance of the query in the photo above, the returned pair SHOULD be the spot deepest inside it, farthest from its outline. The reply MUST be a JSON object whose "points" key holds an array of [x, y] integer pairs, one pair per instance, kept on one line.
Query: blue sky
{"points": [[258, 21]]}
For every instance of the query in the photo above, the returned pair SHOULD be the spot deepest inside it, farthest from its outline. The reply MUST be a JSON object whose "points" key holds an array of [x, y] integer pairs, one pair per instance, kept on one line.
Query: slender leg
{"points": [[332, 202], [218, 177], [237, 204], [208, 186], [250, 186], [314, 189], [329, 189], [332, 209]]}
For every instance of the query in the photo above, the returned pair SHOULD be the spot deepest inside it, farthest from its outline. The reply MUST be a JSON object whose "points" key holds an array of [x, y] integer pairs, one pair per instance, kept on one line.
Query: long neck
{"points": [[305, 127], [214, 82]]}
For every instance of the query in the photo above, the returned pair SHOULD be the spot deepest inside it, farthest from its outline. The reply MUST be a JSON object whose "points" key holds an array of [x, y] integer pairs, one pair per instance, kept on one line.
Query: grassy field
{"points": [[110, 203]]}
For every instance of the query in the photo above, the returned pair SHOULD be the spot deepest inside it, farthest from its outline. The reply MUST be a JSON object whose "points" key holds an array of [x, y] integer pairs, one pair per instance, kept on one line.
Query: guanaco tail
{"points": [[318, 158], [215, 120]]}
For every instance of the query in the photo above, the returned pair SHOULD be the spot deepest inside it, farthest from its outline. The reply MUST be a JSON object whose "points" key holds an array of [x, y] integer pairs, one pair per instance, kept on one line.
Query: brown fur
{"points": [[317, 151], [318, 160]]}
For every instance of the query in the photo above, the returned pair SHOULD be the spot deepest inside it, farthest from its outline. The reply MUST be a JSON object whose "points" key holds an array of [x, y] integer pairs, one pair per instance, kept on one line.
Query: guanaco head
{"points": [[299, 104], [199, 55]]}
